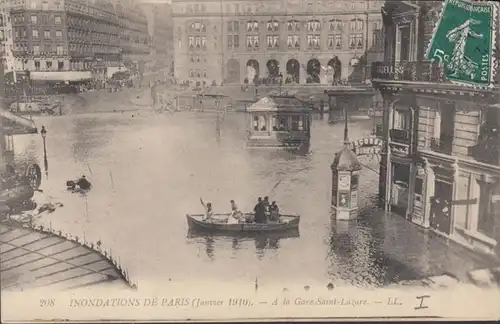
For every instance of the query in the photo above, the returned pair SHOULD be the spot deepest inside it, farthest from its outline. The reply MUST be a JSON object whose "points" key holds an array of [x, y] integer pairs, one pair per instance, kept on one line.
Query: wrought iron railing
{"points": [[421, 71]]}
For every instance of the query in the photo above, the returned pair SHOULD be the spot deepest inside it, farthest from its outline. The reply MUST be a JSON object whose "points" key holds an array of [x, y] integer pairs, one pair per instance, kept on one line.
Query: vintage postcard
{"points": [[246, 160]]}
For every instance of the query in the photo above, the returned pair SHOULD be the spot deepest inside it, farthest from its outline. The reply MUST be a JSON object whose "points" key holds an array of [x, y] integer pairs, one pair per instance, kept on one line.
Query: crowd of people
{"points": [[264, 211]]}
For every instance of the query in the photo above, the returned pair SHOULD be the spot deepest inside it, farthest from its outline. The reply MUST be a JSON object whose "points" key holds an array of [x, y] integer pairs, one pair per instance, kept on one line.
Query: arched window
{"points": [[252, 26], [313, 25], [272, 25]]}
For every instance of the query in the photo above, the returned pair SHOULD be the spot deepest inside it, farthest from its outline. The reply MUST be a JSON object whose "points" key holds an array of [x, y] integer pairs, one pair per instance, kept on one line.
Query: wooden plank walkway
{"points": [[32, 259]]}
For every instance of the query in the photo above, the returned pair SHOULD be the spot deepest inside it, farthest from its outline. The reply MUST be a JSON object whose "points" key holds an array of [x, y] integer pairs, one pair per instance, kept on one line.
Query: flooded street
{"points": [[149, 170]]}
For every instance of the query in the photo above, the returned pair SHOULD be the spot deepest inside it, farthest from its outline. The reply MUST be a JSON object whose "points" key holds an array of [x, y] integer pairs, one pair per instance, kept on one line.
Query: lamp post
{"points": [[43, 132]]}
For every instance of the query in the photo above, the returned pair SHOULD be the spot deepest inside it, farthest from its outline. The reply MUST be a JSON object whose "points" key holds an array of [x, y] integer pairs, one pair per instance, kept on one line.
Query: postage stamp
{"points": [[464, 42]]}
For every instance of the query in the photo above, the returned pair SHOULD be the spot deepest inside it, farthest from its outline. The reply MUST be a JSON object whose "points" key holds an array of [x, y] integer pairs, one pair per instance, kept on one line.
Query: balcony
{"points": [[486, 152], [423, 71], [442, 145], [400, 136]]}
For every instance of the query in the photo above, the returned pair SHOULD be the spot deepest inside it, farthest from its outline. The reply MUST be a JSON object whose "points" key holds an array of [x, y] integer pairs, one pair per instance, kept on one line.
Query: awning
{"points": [[16, 125], [61, 76]]}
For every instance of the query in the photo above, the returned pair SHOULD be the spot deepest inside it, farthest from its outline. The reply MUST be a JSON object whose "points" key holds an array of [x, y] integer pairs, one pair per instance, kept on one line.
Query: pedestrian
{"points": [[274, 212]]}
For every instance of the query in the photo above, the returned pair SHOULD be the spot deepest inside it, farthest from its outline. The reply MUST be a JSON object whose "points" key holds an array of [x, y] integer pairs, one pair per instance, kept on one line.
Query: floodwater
{"points": [[149, 170]]}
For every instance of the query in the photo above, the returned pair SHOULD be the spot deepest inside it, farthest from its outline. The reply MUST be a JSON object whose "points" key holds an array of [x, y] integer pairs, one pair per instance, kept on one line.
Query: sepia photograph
{"points": [[246, 160]]}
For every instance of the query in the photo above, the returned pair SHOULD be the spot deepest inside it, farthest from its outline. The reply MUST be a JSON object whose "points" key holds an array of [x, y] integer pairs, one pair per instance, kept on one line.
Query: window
{"points": [[486, 221], [45, 5], [273, 25], [335, 41], [293, 41], [34, 33], [236, 8], [259, 123], [57, 20], [196, 8], [60, 50], [34, 19], [198, 27], [48, 64], [33, 5], [313, 25], [189, 8], [252, 26], [233, 26], [191, 41], [377, 39], [203, 8], [356, 25], [37, 64], [273, 41], [253, 41], [46, 34], [58, 34], [313, 41], [335, 25], [293, 26], [356, 41], [233, 41]]}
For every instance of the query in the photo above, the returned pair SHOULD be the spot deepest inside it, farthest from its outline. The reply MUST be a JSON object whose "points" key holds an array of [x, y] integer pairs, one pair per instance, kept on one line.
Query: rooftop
{"points": [[280, 103]]}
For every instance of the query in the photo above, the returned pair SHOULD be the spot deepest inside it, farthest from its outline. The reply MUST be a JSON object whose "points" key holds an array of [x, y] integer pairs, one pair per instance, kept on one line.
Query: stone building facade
{"points": [[443, 139], [232, 41], [54, 37]]}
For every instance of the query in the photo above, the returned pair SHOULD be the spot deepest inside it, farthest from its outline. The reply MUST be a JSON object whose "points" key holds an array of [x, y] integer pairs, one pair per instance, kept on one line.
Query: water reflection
{"points": [[356, 252], [262, 241]]}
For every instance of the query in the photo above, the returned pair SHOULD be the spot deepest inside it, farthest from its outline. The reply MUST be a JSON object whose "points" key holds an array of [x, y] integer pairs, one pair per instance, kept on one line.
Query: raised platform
{"points": [[34, 259]]}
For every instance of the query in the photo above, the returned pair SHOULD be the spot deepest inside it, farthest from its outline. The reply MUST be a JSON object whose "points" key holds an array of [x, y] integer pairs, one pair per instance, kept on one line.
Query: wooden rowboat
{"points": [[286, 223]]}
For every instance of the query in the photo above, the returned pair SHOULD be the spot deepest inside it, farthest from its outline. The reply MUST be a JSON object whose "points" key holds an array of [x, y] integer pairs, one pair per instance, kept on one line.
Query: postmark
{"points": [[464, 41]]}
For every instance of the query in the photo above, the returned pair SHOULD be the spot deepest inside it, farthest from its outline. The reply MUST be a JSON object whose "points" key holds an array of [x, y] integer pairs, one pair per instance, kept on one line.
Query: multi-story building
{"points": [[67, 40], [161, 32], [443, 170], [300, 41]]}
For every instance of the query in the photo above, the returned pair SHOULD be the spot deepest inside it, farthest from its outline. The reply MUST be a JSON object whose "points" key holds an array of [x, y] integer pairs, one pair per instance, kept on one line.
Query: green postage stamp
{"points": [[464, 41]]}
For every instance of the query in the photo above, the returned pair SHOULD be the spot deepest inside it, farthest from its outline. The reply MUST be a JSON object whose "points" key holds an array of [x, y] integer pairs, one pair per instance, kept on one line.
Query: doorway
{"points": [[441, 207]]}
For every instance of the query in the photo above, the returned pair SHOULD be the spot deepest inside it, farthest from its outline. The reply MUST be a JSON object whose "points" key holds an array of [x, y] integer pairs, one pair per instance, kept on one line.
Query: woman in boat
{"points": [[208, 210]]}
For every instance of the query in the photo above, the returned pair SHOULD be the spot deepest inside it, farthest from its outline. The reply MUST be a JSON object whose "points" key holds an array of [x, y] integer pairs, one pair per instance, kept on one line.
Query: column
{"points": [[430, 177], [473, 209], [456, 176]]}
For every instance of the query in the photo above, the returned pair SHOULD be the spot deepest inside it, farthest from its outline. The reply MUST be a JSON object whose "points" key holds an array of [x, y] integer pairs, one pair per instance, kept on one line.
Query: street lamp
{"points": [[43, 132]]}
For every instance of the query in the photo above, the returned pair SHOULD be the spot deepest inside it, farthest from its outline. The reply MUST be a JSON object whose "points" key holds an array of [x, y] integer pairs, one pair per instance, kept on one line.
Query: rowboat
{"points": [[285, 223]]}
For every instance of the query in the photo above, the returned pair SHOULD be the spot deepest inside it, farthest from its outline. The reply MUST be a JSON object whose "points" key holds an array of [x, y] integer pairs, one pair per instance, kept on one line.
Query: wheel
{"points": [[33, 176]]}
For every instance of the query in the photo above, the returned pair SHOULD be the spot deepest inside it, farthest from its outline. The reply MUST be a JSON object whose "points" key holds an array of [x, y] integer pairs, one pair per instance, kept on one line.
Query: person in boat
{"points": [[236, 215], [83, 183], [260, 211], [274, 212], [208, 210], [266, 204]]}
